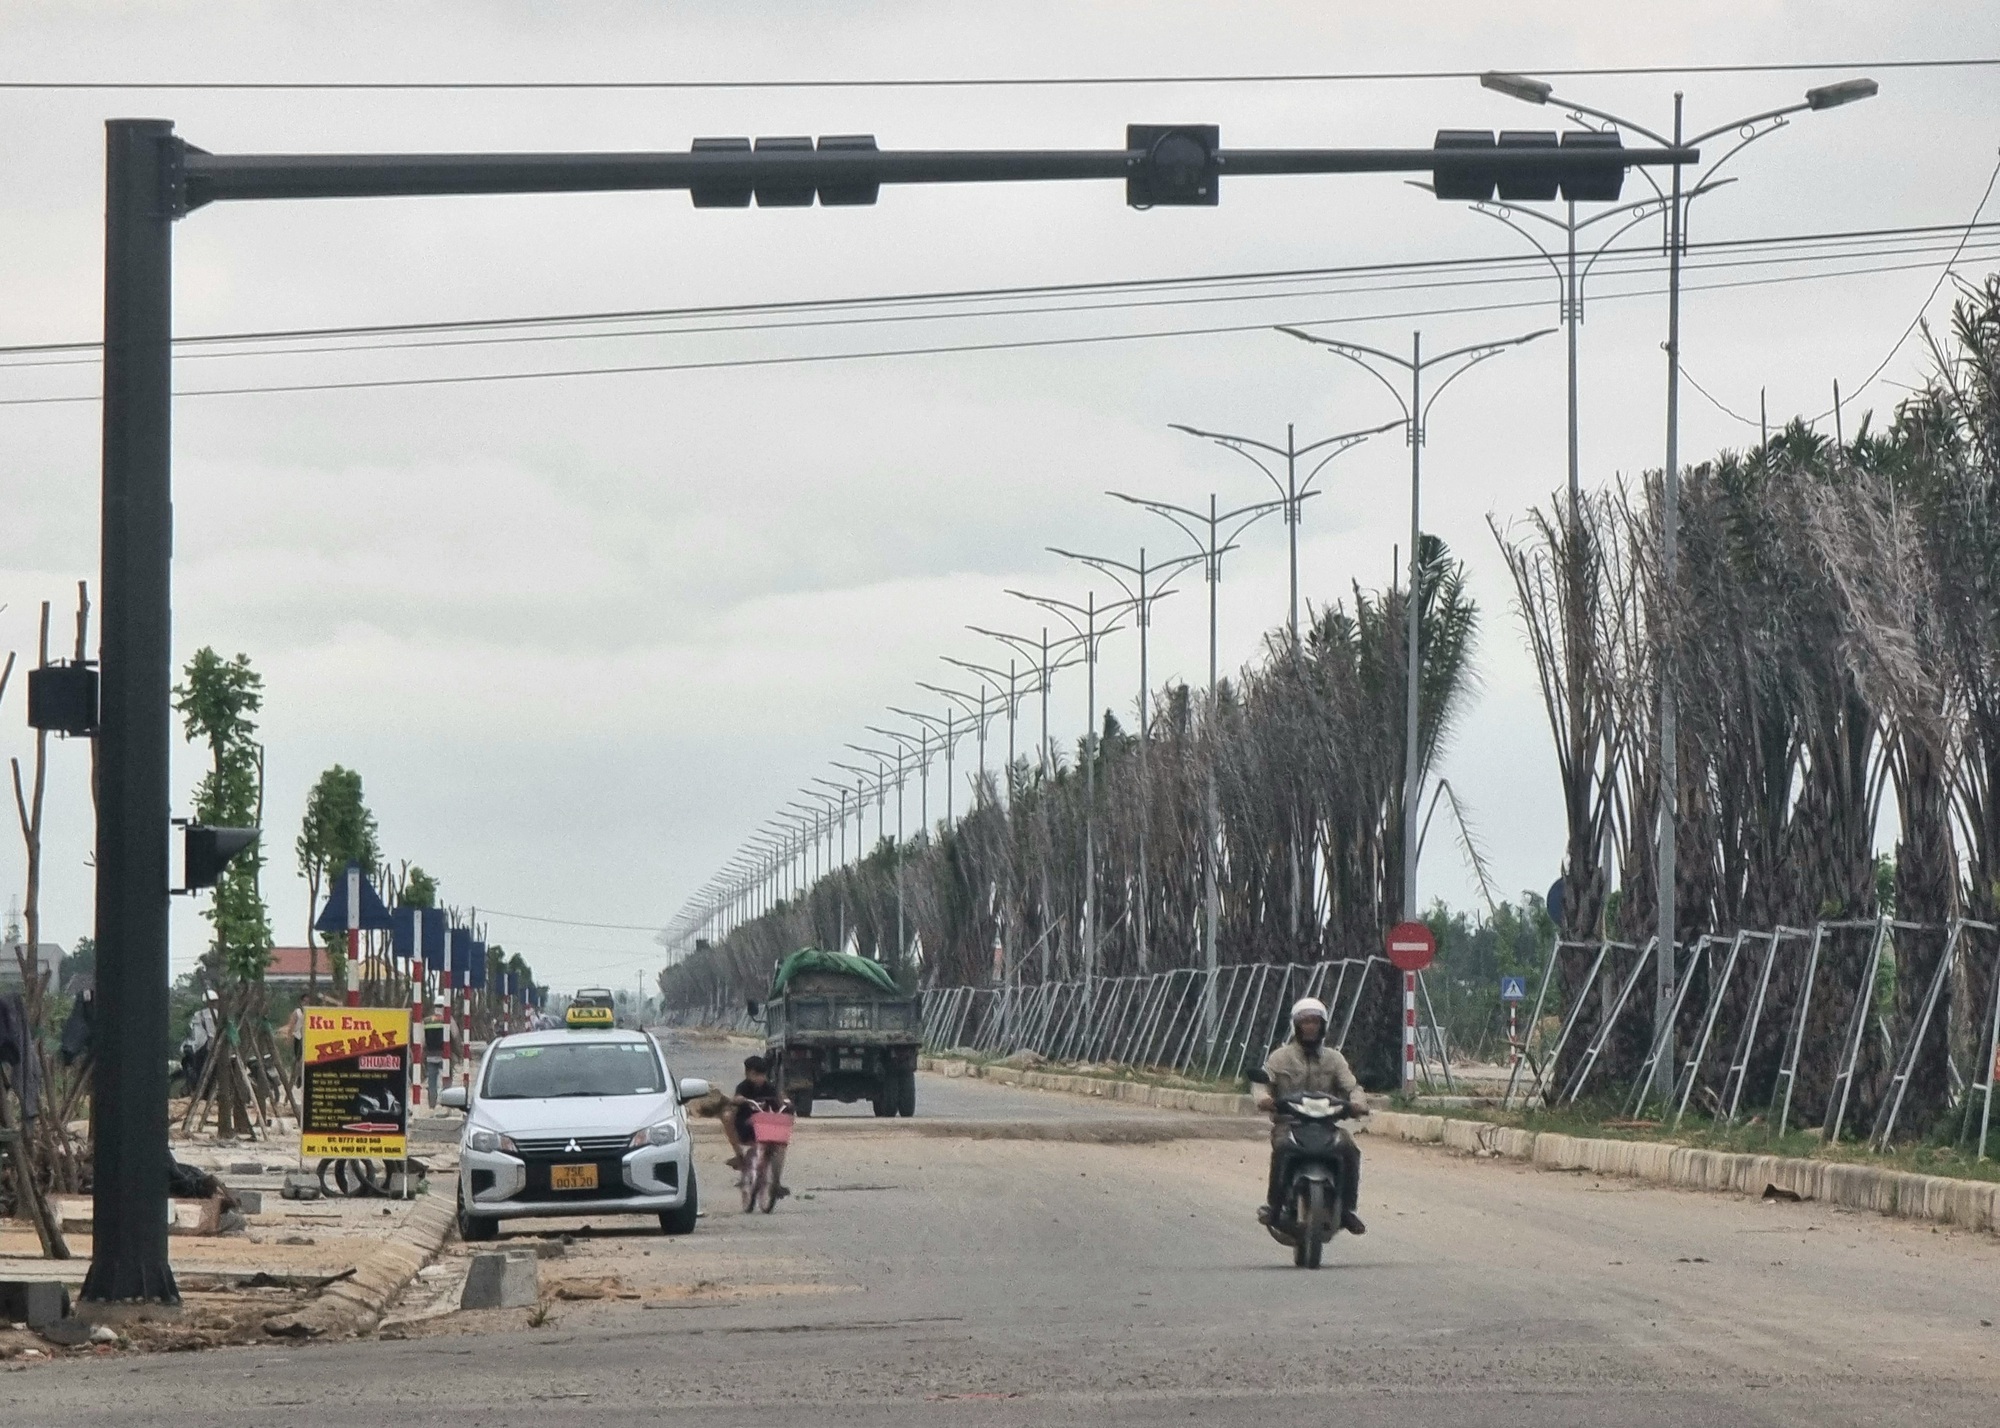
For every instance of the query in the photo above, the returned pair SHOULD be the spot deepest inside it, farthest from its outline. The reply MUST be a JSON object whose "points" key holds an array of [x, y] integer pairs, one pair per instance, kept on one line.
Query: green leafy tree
{"points": [[420, 889], [216, 702], [337, 829]]}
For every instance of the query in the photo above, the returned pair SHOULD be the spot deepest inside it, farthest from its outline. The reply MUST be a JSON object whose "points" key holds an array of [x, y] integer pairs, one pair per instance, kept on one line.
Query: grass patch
{"points": [[1751, 1137]]}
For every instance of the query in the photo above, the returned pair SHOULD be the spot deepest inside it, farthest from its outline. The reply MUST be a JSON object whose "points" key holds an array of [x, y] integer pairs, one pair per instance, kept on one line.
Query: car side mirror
{"points": [[452, 1098], [692, 1088], [1260, 1077]]}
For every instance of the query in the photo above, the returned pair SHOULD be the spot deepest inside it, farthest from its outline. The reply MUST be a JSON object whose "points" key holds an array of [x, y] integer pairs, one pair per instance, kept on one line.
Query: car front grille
{"points": [[563, 1147]]}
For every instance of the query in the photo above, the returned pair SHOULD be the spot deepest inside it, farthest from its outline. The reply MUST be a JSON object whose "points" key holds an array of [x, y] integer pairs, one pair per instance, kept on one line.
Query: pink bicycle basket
{"points": [[771, 1127]]}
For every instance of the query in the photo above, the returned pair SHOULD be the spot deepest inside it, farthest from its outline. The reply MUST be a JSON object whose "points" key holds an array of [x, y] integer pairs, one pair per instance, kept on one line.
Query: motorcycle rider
{"points": [[1307, 1063]]}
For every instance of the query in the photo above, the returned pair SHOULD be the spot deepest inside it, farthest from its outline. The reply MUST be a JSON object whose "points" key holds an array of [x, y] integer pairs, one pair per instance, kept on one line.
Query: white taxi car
{"points": [[574, 1122]]}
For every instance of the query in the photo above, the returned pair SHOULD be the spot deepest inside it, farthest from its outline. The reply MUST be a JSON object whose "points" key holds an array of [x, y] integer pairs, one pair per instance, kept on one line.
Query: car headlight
{"points": [[665, 1133], [486, 1141]]}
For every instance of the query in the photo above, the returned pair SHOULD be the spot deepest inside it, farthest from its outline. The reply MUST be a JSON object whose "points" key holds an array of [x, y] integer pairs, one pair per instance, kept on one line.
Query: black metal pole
{"points": [[129, 1241]]}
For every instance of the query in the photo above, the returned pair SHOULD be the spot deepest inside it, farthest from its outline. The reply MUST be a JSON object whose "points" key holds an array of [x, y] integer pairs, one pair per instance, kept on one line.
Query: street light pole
{"points": [[1748, 130], [1416, 412], [901, 943], [1091, 635], [988, 674], [1211, 546], [1132, 579], [1291, 490]]}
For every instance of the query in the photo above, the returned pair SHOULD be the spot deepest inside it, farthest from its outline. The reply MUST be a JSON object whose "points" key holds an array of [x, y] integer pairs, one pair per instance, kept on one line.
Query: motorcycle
{"points": [[1313, 1192]]}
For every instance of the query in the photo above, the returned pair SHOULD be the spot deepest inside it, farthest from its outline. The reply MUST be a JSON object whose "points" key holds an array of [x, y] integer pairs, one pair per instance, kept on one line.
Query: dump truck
{"points": [[838, 1028]]}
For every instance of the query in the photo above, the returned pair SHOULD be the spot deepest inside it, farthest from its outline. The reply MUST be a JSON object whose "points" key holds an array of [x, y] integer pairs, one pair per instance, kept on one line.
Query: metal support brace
{"points": [[1795, 1032], [1603, 1037], [1913, 1045], [1575, 1013], [1857, 1031]]}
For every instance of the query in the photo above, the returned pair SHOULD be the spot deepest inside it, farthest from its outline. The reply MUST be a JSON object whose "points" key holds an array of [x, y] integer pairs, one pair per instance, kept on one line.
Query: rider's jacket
{"points": [[1292, 1069]]}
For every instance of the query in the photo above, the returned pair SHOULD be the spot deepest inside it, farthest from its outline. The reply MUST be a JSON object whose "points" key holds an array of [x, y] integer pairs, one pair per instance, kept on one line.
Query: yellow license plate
{"points": [[572, 1177]]}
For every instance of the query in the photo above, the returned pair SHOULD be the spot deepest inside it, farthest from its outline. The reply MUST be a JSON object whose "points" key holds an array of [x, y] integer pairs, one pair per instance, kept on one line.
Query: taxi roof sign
{"points": [[582, 1015]]}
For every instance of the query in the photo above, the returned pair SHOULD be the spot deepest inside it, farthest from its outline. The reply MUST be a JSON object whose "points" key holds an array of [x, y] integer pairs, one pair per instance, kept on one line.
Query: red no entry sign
{"points": [[1411, 947]]}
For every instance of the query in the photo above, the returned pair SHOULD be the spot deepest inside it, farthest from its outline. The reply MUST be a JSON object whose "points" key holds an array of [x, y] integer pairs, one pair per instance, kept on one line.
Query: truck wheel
{"points": [[885, 1098], [802, 1104], [906, 1094]]}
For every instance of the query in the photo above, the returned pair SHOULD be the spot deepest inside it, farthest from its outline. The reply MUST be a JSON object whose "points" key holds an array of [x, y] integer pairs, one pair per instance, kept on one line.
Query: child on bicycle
{"points": [[753, 1093]]}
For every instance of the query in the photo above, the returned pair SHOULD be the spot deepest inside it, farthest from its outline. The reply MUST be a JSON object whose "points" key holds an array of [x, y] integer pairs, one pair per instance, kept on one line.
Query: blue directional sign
{"points": [[1513, 989], [333, 917]]}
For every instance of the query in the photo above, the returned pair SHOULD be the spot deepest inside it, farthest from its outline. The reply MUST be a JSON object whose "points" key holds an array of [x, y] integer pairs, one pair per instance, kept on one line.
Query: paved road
{"points": [[972, 1280], [721, 1062]]}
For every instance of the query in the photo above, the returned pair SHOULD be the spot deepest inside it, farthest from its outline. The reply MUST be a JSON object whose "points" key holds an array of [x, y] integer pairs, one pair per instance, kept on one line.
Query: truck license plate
{"points": [[572, 1177]]}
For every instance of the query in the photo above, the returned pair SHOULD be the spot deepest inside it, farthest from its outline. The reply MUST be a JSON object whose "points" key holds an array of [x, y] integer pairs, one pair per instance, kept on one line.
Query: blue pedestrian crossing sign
{"points": [[1513, 989]]}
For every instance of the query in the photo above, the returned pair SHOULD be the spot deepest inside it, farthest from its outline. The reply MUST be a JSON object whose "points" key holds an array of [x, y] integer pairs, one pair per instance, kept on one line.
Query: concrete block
{"points": [[34, 1302], [247, 1167], [300, 1185], [194, 1217], [508, 1280], [250, 1202]]}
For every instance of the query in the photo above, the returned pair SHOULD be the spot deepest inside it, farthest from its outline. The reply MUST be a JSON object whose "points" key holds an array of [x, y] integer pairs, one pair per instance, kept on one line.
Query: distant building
{"points": [[288, 966], [49, 955]]}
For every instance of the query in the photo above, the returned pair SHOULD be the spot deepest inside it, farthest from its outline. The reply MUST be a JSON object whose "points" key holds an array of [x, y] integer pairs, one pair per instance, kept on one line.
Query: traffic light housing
{"points": [[206, 851], [737, 193], [1465, 172], [1179, 168], [62, 698]]}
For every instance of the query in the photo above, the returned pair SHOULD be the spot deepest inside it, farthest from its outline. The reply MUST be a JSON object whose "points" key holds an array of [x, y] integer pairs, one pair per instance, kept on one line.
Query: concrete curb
{"points": [[356, 1303], [1138, 1093], [1934, 1199]]}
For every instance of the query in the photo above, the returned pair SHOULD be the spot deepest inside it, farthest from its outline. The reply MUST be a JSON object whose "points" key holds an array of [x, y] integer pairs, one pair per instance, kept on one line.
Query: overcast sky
{"points": [[582, 635]]}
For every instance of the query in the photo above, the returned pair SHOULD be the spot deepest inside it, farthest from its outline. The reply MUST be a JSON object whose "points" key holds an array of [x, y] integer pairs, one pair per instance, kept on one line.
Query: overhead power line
{"points": [[944, 349], [759, 316], [1075, 81], [486, 912]]}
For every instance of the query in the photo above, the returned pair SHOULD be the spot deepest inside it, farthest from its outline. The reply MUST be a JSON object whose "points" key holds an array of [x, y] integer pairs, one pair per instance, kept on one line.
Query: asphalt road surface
{"points": [[980, 1277]]}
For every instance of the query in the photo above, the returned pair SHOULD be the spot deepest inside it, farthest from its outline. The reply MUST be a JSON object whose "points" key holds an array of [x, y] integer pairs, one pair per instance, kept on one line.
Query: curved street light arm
{"points": [[1252, 514], [1573, 107], [1173, 513], [1476, 355], [1225, 437], [1651, 208], [1353, 351], [1348, 441]]}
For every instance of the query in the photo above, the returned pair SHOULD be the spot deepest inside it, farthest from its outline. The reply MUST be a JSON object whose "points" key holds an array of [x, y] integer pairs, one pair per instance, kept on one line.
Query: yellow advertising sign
{"points": [[357, 1078]]}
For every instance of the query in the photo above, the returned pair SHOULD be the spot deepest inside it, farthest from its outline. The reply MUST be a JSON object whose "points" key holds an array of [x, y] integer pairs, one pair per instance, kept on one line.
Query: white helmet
{"points": [[1308, 1006]]}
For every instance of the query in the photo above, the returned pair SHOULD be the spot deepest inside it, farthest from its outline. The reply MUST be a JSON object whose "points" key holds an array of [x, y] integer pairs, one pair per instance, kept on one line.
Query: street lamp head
{"points": [[1832, 96], [1518, 86]]}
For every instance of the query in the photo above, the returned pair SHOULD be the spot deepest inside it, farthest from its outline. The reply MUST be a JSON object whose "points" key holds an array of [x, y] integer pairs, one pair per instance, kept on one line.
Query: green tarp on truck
{"points": [[846, 964]]}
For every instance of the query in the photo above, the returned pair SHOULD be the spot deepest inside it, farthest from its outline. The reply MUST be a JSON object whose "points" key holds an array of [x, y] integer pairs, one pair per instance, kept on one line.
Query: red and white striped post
{"points": [[1409, 1033], [1411, 948], [416, 974], [354, 934]]}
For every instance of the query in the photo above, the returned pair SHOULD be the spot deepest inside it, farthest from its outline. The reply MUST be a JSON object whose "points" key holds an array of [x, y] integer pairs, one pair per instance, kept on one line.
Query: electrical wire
{"points": [[977, 81], [485, 912], [1619, 259], [1944, 274], [1532, 273], [940, 349]]}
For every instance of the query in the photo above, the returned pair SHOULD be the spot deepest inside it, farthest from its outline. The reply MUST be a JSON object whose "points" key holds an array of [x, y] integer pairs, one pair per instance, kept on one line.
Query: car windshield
{"points": [[577, 1068]]}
